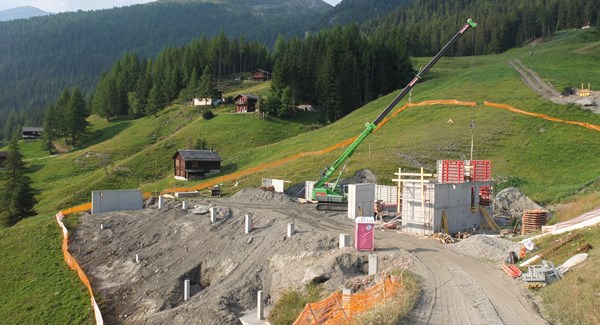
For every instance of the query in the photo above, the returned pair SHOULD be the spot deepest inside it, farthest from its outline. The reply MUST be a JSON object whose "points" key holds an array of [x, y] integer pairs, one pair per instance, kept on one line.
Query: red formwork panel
{"points": [[485, 196], [480, 170], [451, 171]]}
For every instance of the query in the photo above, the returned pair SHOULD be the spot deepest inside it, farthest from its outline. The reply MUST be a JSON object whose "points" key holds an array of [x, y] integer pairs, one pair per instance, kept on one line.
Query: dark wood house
{"points": [[195, 164], [3, 157], [261, 75], [32, 133], [246, 103]]}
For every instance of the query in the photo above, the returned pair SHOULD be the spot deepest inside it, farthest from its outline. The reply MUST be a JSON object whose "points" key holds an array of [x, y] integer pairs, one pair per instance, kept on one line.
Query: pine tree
{"points": [[16, 198], [76, 115], [206, 87]]}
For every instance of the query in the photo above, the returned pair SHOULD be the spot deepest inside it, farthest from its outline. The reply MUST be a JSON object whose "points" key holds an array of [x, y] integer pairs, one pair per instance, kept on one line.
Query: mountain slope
{"points": [[42, 55], [22, 13]]}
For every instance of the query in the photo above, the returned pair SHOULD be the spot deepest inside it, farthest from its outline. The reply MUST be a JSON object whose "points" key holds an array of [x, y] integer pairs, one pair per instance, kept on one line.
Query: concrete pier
{"points": [[248, 225], [137, 258], [291, 229], [260, 308], [213, 214], [161, 202], [186, 290], [372, 264], [344, 240], [184, 205], [101, 226]]}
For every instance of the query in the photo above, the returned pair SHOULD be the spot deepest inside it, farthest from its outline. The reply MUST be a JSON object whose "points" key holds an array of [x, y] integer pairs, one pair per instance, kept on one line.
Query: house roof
{"points": [[261, 70], [32, 129], [247, 96], [3, 154], [199, 155]]}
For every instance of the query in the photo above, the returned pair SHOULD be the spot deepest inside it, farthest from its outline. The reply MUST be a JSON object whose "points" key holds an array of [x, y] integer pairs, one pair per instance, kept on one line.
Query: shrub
{"points": [[208, 114]]}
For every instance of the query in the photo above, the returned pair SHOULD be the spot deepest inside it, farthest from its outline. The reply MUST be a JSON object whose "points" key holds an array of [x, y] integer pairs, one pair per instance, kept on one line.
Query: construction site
{"points": [[198, 255]]}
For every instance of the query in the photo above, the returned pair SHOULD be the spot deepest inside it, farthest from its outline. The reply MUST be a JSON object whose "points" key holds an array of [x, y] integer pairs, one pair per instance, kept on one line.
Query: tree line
{"points": [[338, 69], [502, 24]]}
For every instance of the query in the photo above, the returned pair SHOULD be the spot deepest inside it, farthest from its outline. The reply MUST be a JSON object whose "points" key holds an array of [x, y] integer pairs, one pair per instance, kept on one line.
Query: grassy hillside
{"points": [[557, 162]]}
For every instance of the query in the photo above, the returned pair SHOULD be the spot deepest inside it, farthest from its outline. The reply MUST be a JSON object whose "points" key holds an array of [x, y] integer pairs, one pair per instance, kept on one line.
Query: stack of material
{"points": [[532, 221], [443, 238]]}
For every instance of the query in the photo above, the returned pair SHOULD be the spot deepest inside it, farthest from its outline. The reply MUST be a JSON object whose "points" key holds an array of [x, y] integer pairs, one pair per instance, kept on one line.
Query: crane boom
{"points": [[332, 195]]}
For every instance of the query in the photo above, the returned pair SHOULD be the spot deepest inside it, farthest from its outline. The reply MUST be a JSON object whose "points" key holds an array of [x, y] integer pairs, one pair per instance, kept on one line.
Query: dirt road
{"points": [[547, 91], [226, 266]]}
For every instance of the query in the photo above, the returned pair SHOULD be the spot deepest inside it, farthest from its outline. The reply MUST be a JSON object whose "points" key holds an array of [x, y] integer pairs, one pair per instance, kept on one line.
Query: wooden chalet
{"points": [[195, 164], [261, 75], [3, 158], [246, 103], [32, 133]]}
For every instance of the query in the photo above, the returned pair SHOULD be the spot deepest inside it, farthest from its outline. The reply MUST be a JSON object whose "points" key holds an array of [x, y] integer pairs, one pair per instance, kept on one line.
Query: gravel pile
{"points": [[258, 195], [486, 247]]}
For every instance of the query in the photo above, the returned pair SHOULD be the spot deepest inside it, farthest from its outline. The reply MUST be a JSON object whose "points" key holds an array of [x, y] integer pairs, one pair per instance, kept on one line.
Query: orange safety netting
{"points": [[72, 263], [542, 116], [341, 308]]}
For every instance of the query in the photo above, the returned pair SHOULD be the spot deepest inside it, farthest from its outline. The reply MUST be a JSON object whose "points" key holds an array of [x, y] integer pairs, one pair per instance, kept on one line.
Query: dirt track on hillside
{"points": [[547, 91], [226, 267]]}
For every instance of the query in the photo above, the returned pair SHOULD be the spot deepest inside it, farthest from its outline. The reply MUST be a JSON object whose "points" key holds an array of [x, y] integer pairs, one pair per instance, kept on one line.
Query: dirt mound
{"points": [[512, 202], [485, 247], [361, 176], [261, 196]]}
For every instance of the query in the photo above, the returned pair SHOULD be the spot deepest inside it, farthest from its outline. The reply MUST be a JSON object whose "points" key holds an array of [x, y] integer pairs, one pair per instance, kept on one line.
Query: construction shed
{"points": [[195, 164], [461, 193]]}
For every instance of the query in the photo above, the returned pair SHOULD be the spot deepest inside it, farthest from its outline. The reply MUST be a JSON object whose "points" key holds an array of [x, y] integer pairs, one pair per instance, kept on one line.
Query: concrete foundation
{"points": [[373, 264], [344, 240], [186, 290], [361, 198], [260, 308], [248, 225], [290, 229]]}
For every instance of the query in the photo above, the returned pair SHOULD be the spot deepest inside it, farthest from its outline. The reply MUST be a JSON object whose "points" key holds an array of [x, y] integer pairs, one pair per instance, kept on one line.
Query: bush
{"points": [[208, 114]]}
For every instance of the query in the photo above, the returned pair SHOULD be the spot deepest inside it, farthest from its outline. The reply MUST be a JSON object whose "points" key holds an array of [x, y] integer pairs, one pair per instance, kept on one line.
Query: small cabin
{"points": [[246, 103], [32, 133], [195, 164], [3, 158], [261, 75]]}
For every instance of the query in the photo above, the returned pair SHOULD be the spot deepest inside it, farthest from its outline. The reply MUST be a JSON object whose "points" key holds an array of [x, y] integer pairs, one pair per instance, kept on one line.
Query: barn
{"points": [[195, 164], [246, 103]]}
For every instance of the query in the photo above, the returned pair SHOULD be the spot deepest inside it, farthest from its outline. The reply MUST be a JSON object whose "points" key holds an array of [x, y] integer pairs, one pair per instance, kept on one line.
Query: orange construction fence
{"points": [[542, 116], [342, 309], [72, 263]]}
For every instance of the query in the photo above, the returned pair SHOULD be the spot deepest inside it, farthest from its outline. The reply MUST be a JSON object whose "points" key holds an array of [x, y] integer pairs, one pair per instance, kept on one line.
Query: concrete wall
{"points": [[277, 184], [454, 198], [361, 199], [386, 193], [116, 200]]}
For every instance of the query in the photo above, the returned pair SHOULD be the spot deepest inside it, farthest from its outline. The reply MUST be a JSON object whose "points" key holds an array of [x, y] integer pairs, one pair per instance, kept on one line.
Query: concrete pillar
{"points": [[101, 226], [137, 258], [290, 230], [213, 214], [184, 205], [248, 226], [186, 290], [344, 240], [372, 264], [260, 314], [161, 201]]}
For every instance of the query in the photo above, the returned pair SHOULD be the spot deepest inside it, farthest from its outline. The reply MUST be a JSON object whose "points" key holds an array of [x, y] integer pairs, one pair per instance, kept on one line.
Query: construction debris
{"points": [[443, 238]]}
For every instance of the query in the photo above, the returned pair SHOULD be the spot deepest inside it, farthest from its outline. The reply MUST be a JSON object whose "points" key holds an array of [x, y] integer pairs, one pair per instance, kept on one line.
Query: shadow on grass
{"points": [[102, 135]]}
